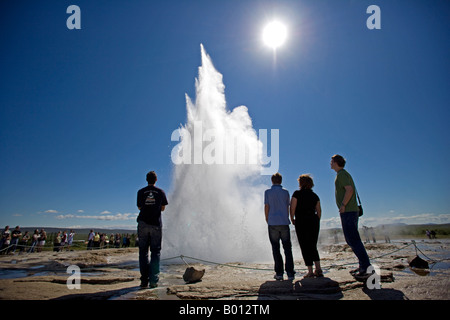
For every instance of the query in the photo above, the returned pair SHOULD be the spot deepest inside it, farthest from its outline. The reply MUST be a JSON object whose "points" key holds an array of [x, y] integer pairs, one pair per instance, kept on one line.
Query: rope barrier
{"points": [[61, 247], [323, 267], [182, 257]]}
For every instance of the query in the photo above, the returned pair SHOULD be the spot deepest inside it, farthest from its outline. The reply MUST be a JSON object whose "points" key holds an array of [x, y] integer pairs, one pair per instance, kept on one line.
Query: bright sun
{"points": [[274, 34]]}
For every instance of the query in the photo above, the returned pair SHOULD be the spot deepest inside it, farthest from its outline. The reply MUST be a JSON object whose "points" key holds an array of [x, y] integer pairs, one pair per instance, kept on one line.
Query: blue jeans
{"points": [[14, 243], [33, 245], [150, 237], [349, 222], [277, 233]]}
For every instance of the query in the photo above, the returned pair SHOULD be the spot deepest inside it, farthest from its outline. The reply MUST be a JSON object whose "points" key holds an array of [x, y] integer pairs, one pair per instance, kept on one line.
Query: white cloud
{"points": [[104, 217], [65, 216], [105, 212], [80, 211], [51, 211]]}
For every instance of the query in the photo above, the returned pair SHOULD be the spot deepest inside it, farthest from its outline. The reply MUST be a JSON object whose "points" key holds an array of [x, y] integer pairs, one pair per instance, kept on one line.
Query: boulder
{"points": [[192, 275], [418, 262]]}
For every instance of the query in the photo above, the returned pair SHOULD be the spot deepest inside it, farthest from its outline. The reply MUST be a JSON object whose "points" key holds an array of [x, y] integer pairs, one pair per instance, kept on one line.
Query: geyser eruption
{"points": [[215, 209]]}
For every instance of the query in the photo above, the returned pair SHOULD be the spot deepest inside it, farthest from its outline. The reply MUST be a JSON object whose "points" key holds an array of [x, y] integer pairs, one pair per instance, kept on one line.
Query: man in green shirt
{"points": [[349, 212]]}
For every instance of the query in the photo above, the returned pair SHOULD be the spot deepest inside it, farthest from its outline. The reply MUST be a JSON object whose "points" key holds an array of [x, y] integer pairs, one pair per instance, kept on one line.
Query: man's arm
{"points": [[347, 196], [266, 211]]}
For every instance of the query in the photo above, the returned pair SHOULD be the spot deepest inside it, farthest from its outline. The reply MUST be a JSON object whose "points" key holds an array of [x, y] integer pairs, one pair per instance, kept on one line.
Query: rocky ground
{"points": [[114, 274]]}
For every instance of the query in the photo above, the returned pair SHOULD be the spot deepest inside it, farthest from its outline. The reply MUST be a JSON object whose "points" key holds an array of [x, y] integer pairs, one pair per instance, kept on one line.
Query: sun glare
{"points": [[274, 34]]}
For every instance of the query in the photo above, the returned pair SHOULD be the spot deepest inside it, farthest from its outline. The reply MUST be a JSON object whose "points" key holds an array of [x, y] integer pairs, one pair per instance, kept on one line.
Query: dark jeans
{"points": [[150, 237], [14, 242], [277, 233], [307, 229], [349, 222]]}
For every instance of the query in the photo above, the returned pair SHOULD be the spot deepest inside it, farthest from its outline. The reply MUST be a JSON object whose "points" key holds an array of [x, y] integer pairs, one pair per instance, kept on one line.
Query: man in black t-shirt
{"points": [[151, 201], [15, 239]]}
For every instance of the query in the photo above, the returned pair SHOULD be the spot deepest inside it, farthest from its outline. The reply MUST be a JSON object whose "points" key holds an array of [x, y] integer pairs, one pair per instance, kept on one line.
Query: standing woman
{"points": [[305, 213]]}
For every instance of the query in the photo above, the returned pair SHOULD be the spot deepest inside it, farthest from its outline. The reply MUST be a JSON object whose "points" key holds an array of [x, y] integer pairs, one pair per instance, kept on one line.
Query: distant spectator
{"points": [[34, 240], [117, 241], [57, 242], [42, 238], [111, 240], [15, 235], [372, 232], [70, 239], [24, 241], [366, 234], [91, 236], [124, 241], [386, 234], [4, 242], [97, 240], [63, 239], [102, 241]]}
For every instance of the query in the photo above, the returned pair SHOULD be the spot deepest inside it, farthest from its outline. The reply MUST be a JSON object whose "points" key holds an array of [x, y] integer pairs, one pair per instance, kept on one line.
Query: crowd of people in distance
{"points": [[15, 240], [11, 240], [98, 240], [430, 234]]}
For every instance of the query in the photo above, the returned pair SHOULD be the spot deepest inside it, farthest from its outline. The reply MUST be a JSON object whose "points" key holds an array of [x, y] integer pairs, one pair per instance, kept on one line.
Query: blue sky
{"points": [[84, 114]]}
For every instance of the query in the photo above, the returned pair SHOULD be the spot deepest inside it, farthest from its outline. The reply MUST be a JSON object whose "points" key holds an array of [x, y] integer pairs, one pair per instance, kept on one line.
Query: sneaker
{"points": [[278, 278], [361, 276], [318, 273], [291, 278], [153, 285], [144, 284], [354, 271]]}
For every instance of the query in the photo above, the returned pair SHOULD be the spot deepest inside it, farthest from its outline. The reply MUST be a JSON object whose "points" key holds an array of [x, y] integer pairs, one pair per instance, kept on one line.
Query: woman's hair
{"points": [[339, 160], [306, 182]]}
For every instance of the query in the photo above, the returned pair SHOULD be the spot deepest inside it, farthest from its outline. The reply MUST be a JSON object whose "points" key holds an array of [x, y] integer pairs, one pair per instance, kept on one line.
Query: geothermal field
{"points": [[113, 274]]}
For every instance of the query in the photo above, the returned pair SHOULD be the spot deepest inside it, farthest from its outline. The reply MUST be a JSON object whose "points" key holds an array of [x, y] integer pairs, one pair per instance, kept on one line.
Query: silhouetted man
{"points": [[349, 212], [151, 201], [276, 209]]}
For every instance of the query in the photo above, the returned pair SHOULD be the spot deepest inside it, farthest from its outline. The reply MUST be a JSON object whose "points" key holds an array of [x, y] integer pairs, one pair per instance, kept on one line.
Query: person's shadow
{"points": [[100, 295], [384, 294], [307, 288]]}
